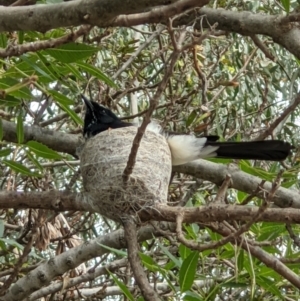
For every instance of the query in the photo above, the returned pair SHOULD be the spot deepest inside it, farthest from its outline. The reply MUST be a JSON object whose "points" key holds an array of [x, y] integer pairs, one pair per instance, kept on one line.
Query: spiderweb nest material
{"points": [[103, 160]]}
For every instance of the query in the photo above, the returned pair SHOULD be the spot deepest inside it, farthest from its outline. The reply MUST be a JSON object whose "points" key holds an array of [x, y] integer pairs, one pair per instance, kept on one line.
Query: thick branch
{"points": [[247, 23], [202, 169], [47, 271], [62, 201], [58, 141], [73, 13], [105, 13], [216, 173]]}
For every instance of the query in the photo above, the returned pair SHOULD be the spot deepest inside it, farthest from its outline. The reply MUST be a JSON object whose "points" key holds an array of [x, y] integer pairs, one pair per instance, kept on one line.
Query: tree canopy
{"points": [[226, 68]]}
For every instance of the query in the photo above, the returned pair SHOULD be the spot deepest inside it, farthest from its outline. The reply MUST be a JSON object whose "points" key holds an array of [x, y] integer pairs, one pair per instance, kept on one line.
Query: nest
{"points": [[103, 160]]}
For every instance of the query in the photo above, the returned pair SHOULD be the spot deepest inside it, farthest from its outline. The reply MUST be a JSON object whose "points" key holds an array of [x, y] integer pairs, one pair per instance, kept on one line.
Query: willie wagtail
{"points": [[185, 148]]}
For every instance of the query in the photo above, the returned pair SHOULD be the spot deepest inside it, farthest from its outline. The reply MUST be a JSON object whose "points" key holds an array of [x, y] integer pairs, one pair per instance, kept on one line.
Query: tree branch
{"points": [[133, 255], [216, 173], [45, 272], [64, 200], [58, 141]]}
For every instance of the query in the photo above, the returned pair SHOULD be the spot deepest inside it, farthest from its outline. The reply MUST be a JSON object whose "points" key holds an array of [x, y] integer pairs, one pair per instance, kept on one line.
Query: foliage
{"points": [[224, 85]]}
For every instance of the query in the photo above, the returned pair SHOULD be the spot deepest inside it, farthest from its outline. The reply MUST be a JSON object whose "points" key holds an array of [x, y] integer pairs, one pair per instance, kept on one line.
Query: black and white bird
{"points": [[184, 147]]}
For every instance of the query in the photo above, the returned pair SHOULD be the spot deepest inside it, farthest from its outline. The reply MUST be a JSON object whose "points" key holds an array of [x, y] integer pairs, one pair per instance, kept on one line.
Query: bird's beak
{"points": [[87, 103]]}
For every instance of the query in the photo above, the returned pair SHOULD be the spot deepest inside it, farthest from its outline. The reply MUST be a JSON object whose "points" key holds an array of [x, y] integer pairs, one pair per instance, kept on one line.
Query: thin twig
{"points": [[153, 104], [290, 109], [20, 262], [138, 51], [252, 195], [233, 235], [220, 198], [17, 50], [263, 48]]}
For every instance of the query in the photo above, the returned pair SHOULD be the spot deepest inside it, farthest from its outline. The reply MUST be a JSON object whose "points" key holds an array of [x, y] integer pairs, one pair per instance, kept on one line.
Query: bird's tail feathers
{"points": [[270, 150]]}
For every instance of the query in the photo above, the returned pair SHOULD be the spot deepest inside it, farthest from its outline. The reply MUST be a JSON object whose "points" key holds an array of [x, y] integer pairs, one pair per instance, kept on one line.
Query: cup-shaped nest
{"points": [[103, 160]]}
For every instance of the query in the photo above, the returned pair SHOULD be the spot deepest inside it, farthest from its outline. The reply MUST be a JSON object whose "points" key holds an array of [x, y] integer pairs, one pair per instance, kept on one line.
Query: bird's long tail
{"points": [[270, 150]]}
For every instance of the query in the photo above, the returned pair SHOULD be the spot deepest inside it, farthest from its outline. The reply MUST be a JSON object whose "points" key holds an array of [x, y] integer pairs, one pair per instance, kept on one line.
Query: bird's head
{"points": [[98, 119]]}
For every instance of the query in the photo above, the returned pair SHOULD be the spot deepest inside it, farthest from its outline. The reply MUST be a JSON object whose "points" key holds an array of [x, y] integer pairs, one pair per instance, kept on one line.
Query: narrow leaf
{"points": [[20, 129], [184, 251], [148, 262], [12, 242], [116, 251], [34, 66], [172, 257], [286, 4], [62, 99], [1, 227], [5, 152], [3, 40], [64, 102], [187, 271], [42, 150], [17, 167], [34, 161], [1, 130], [97, 73], [71, 52], [122, 286], [72, 114], [191, 118]]}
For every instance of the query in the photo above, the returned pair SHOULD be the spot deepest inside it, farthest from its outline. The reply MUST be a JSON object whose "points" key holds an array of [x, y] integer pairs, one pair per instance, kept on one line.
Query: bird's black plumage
{"points": [[185, 148], [98, 119]]}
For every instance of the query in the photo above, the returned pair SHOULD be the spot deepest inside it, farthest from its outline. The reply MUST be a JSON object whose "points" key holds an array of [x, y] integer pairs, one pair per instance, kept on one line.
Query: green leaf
{"points": [[286, 4], [184, 251], [97, 73], [64, 103], [149, 263], [122, 286], [62, 99], [240, 261], [191, 118], [49, 71], [72, 114], [116, 251], [35, 66], [268, 285], [191, 296], [246, 167], [1, 227], [187, 271], [234, 284], [10, 101], [72, 52], [34, 161], [1, 130], [13, 243], [20, 128], [5, 152], [19, 168], [172, 257], [75, 72], [16, 88], [21, 37], [3, 40], [269, 231], [42, 150]]}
